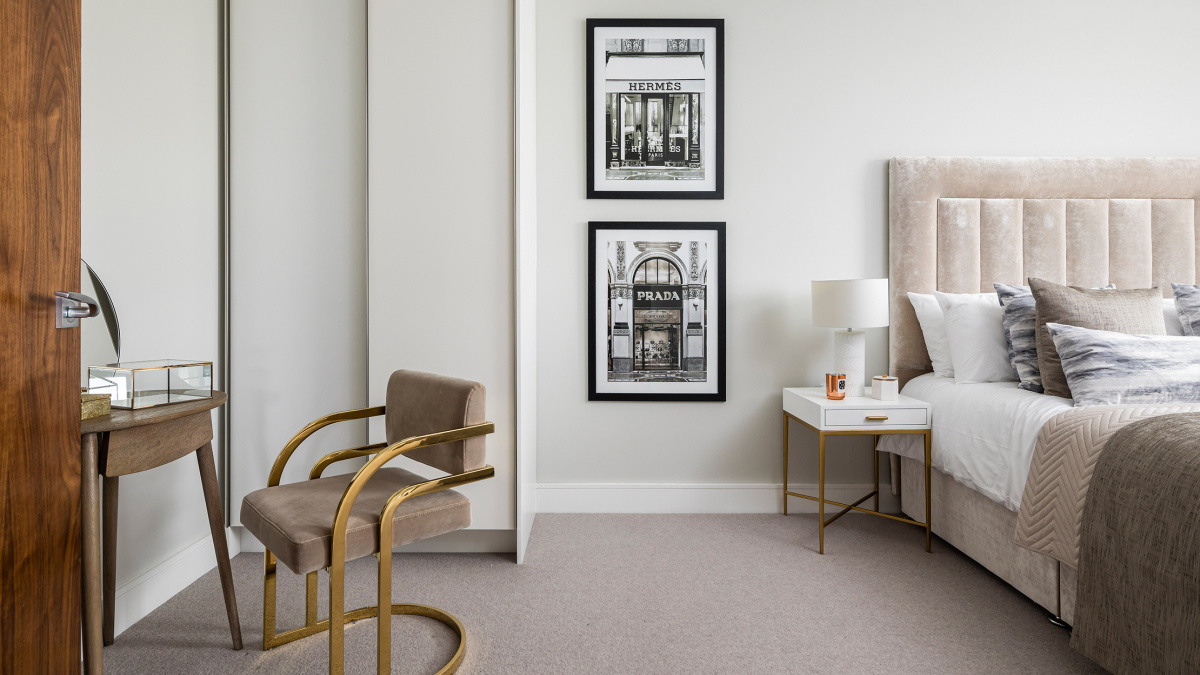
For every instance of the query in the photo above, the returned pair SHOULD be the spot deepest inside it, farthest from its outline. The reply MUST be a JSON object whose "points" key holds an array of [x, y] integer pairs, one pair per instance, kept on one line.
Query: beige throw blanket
{"points": [[1061, 472]]}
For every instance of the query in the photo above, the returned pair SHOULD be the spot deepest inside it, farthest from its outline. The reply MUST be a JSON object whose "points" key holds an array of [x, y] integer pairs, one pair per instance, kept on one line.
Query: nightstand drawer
{"points": [[884, 417]]}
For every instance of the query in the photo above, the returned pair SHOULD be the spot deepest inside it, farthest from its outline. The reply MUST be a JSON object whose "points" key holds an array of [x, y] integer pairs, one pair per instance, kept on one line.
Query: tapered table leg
{"points": [[111, 490], [216, 523], [93, 655]]}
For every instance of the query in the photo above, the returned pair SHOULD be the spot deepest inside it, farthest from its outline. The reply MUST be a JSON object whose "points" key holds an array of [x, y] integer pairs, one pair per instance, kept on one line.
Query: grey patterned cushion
{"points": [[1020, 332], [1187, 304], [1134, 311], [1103, 367], [1020, 322]]}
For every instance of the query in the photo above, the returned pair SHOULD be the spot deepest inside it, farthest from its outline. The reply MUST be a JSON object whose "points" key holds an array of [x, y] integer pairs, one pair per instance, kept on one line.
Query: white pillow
{"points": [[1171, 319], [933, 328], [975, 333]]}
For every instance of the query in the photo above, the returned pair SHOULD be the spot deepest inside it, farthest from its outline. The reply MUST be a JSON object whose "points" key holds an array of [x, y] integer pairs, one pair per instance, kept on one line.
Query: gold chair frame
{"points": [[338, 617]]}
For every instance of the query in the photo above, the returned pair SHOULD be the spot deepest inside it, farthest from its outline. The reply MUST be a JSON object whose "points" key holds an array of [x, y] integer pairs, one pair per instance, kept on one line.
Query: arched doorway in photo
{"points": [[657, 314]]}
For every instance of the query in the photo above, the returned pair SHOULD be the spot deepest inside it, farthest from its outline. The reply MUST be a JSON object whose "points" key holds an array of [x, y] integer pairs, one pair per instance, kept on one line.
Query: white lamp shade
{"points": [[850, 303]]}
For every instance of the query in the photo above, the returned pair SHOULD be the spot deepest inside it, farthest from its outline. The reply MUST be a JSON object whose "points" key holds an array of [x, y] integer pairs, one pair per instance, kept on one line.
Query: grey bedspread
{"points": [[1138, 606]]}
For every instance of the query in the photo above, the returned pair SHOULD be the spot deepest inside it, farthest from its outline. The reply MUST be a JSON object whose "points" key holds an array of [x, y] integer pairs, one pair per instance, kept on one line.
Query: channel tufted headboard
{"points": [[959, 224]]}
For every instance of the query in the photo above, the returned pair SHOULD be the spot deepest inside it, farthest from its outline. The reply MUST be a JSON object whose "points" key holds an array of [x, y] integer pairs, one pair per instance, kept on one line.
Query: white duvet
{"points": [[983, 434]]}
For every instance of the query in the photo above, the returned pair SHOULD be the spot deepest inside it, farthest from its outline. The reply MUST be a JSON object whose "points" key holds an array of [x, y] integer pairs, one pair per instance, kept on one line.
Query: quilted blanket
{"points": [[1061, 472]]}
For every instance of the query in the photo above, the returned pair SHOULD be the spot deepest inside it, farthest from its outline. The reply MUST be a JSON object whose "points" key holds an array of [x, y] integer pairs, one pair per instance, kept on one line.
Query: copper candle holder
{"points": [[835, 386]]}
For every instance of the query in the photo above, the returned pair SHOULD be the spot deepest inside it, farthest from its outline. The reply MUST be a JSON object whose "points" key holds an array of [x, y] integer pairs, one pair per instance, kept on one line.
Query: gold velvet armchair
{"points": [[323, 522]]}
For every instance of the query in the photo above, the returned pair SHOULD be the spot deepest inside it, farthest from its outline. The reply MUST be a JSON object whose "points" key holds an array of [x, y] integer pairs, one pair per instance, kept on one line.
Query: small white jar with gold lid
{"points": [[885, 388]]}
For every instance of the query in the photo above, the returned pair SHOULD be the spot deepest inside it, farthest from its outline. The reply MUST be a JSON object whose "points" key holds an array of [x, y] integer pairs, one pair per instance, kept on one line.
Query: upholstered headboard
{"points": [[959, 224]]}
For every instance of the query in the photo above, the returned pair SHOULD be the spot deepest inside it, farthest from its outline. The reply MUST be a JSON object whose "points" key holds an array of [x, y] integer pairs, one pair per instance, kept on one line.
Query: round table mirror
{"points": [[100, 336]]}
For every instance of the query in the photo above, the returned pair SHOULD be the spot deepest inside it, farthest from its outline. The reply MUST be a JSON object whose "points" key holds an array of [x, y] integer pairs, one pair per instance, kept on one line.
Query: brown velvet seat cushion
{"points": [[295, 521], [1134, 311]]}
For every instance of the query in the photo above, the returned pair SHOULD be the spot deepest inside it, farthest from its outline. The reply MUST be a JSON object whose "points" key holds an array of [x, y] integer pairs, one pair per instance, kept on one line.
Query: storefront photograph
{"points": [[654, 110], [656, 310], [653, 104]]}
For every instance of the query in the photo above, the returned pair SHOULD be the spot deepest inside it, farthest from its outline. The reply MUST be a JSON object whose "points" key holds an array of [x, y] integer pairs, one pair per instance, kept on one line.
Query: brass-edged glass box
{"points": [[145, 384]]}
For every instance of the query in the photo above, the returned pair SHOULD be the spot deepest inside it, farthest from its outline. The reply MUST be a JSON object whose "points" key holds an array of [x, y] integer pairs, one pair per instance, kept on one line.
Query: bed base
{"points": [[984, 530]]}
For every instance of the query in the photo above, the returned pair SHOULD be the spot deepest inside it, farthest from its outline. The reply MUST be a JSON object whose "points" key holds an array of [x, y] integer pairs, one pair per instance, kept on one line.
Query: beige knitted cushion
{"points": [[1134, 311]]}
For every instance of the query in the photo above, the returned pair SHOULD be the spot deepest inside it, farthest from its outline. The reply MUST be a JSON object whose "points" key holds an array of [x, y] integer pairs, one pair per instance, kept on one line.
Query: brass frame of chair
{"points": [[338, 617]]}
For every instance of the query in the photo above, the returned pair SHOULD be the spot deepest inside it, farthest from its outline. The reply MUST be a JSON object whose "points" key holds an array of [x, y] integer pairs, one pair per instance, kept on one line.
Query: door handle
{"points": [[69, 308]]}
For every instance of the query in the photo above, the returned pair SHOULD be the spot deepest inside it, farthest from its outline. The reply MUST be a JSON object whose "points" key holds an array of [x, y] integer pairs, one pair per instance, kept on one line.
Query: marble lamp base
{"points": [[849, 357]]}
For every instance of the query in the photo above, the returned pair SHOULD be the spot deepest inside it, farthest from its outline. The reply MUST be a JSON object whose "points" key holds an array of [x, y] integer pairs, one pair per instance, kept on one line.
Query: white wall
{"points": [[151, 226], [297, 233], [441, 215], [818, 96]]}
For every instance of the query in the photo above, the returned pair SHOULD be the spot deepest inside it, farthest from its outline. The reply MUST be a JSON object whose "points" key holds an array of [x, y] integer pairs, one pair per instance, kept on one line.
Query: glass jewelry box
{"points": [[145, 384]]}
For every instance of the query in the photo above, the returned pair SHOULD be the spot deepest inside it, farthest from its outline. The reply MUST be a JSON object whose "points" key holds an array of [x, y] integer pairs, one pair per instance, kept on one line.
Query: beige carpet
{"points": [[646, 594]]}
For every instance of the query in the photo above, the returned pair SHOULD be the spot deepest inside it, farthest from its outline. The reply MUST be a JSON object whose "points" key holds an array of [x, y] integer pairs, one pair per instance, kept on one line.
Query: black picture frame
{"points": [[698, 287], [713, 103]]}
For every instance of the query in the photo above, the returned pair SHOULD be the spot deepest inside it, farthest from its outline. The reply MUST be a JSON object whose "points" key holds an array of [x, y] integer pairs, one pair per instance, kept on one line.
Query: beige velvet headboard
{"points": [[959, 224]]}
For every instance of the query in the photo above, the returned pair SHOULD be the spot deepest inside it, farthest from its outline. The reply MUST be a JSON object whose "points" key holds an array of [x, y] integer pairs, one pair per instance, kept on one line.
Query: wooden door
{"points": [[39, 364]]}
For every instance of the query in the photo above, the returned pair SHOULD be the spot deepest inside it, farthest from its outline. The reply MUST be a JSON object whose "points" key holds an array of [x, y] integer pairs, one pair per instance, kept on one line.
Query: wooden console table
{"points": [[125, 442]]}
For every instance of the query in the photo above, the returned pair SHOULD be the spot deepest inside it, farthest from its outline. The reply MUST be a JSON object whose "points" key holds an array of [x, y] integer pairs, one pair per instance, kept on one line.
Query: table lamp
{"points": [[850, 303]]}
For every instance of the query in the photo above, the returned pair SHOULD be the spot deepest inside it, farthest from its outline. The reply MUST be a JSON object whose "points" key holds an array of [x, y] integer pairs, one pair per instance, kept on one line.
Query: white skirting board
{"points": [[146, 592], [696, 497], [462, 541]]}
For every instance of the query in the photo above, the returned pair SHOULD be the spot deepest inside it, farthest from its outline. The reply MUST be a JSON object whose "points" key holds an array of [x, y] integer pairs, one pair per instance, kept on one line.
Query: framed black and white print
{"points": [[655, 108], [656, 311]]}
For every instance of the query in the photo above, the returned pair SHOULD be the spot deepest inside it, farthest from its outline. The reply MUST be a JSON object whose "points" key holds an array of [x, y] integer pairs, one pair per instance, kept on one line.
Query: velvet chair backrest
{"points": [[424, 403]]}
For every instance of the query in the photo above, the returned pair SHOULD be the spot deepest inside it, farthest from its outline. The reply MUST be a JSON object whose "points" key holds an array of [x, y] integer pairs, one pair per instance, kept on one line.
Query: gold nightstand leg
{"points": [[875, 456], [928, 500], [785, 463], [821, 489]]}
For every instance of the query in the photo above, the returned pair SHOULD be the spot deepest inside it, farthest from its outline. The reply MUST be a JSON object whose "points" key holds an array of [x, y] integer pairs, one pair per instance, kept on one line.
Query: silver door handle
{"points": [[70, 307]]}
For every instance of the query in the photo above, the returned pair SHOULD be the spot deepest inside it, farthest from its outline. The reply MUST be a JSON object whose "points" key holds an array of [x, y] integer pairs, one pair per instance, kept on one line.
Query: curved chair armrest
{"points": [[435, 485], [311, 428], [342, 455], [386, 518], [386, 455]]}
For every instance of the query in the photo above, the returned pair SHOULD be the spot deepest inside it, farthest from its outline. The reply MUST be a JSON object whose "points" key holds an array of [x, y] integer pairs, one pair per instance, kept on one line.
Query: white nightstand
{"points": [[854, 416]]}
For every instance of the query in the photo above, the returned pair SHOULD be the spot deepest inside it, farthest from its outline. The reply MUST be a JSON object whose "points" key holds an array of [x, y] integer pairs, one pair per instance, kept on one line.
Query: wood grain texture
{"points": [[39, 390], [216, 524], [125, 419], [144, 447], [112, 490], [93, 660], [128, 442]]}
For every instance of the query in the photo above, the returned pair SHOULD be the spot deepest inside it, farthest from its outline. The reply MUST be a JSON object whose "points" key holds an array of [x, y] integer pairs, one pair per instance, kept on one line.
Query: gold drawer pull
{"points": [[877, 418]]}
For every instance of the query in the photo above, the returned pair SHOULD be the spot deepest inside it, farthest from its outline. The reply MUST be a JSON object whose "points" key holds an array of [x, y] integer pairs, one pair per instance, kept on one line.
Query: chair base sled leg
{"points": [[446, 618]]}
